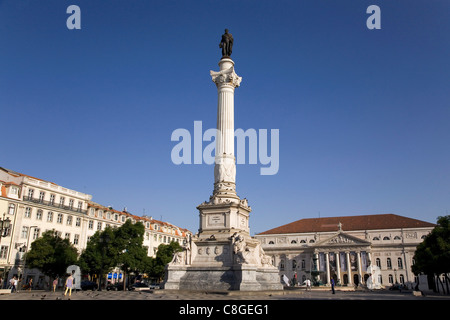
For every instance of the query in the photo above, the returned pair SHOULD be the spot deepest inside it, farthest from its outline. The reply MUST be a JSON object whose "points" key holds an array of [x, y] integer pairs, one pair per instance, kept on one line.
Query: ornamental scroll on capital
{"points": [[227, 76]]}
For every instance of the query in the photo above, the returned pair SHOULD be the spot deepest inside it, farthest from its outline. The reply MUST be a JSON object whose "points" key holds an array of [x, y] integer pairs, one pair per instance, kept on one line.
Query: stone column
{"points": [[327, 263], [358, 255], [338, 267], [226, 81], [349, 268]]}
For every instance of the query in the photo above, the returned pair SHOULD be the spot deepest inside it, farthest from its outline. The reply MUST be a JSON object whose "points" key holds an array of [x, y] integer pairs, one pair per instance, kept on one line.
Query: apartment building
{"points": [[30, 206]]}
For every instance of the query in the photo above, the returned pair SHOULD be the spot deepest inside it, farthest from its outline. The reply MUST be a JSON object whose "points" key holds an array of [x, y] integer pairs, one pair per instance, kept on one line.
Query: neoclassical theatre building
{"points": [[30, 206], [342, 248]]}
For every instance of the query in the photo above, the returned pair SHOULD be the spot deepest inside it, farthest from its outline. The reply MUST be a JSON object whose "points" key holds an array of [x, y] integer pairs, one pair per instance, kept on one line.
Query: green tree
{"points": [[163, 256], [51, 254], [131, 254], [99, 257], [432, 256]]}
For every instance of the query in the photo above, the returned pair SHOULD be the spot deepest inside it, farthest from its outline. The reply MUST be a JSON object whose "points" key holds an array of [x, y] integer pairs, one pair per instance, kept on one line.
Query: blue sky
{"points": [[363, 114]]}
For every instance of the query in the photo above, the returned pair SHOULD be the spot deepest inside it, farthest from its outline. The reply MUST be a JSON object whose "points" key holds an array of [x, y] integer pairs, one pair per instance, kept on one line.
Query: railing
{"points": [[53, 204]]}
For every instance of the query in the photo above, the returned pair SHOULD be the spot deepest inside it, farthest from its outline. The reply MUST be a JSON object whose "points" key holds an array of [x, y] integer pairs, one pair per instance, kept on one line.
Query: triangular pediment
{"points": [[342, 239]]}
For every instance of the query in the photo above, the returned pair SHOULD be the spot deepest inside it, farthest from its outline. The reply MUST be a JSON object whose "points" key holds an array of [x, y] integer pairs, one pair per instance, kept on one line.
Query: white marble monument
{"points": [[223, 255]]}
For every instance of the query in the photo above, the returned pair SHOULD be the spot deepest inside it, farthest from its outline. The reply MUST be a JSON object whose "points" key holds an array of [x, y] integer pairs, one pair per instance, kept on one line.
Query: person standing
{"points": [[308, 285], [69, 285], [332, 285]]}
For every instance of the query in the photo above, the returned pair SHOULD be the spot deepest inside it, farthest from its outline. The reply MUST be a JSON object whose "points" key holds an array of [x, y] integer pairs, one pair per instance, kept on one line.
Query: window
{"points": [[376, 238], [400, 263], [36, 233], [271, 242], [11, 208], [49, 216], [24, 233], [99, 226], [303, 264], [91, 224], [41, 196], [391, 279], [30, 194], [80, 206], [52, 199], [78, 222], [92, 212], [386, 238], [39, 214], [294, 264], [311, 241], [389, 263], [3, 252], [61, 201], [71, 204], [402, 279], [27, 212], [282, 264], [76, 238], [67, 236], [294, 242], [397, 238], [59, 219], [378, 262], [69, 220]]}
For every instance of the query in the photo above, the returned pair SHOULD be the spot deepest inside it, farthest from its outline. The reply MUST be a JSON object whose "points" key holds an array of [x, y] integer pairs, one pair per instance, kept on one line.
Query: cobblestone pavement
{"points": [[199, 296]]}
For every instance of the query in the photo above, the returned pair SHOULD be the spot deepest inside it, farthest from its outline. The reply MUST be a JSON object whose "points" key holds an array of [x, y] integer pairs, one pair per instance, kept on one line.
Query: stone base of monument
{"points": [[243, 278], [222, 262]]}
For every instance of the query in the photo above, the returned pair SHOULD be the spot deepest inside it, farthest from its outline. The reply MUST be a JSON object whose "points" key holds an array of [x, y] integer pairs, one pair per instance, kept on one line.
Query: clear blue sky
{"points": [[363, 114]]}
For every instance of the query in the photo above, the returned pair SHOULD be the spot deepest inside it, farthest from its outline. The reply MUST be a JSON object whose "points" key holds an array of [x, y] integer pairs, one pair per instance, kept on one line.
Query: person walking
{"points": [[13, 284], [55, 283], [308, 285], [69, 285]]}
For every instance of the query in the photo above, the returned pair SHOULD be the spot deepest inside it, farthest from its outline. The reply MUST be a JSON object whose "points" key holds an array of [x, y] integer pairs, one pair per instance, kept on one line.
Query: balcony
{"points": [[52, 204]]}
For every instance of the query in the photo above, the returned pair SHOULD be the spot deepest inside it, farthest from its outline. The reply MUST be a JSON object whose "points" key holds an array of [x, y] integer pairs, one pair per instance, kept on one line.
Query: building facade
{"points": [[30, 206], [347, 249]]}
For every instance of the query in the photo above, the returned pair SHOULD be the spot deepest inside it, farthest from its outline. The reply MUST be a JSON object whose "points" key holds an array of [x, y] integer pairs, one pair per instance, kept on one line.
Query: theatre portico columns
{"points": [[342, 257]]}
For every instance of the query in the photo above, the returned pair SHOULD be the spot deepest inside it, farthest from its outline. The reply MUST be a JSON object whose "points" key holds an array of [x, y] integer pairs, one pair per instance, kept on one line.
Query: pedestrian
{"points": [[55, 283], [69, 285], [308, 285], [30, 283], [332, 285], [12, 284]]}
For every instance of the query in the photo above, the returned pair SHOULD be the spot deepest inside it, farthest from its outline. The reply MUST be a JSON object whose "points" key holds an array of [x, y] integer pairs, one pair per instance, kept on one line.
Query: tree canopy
{"points": [[432, 256], [51, 254]]}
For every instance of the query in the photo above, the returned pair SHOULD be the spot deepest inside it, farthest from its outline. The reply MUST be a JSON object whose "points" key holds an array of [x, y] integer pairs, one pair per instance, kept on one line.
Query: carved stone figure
{"points": [[226, 44]]}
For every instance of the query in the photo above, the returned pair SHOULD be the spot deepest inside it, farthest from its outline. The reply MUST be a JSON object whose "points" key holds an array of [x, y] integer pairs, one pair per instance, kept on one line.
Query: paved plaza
{"points": [[321, 294]]}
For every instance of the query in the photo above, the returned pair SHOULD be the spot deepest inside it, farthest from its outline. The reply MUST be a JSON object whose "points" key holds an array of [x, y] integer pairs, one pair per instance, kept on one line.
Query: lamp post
{"points": [[103, 240], [27, 246], [4, 225]]}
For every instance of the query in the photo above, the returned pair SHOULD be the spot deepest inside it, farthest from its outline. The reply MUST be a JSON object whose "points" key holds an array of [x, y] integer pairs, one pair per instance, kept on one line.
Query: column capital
{"points": [[226, 77]]}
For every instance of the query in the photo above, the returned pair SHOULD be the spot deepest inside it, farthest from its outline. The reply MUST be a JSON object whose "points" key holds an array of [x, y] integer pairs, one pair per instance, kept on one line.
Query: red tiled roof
{"points": [[349, 223]]}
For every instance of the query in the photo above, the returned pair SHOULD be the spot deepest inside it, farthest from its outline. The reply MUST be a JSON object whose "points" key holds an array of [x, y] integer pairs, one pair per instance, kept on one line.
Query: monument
{"points": [[223, 255]]}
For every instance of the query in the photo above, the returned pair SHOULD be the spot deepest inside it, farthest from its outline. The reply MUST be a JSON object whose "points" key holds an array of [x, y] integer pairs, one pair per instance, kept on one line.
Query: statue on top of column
{"points": [[226, 44]]}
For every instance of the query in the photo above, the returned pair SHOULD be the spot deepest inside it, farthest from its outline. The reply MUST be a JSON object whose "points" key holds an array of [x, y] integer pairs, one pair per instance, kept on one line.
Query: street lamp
{"points": [[27, 246], [103, 240], [4, 225]]}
